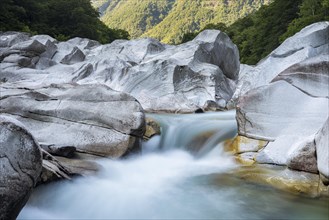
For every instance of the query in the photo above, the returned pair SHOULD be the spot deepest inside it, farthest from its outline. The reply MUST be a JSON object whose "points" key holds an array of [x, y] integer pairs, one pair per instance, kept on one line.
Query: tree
{"points": [[61, 19]]}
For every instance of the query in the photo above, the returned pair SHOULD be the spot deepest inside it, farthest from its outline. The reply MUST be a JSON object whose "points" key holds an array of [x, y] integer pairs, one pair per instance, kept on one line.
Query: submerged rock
{"points": [[20, 162], [282, 178]]}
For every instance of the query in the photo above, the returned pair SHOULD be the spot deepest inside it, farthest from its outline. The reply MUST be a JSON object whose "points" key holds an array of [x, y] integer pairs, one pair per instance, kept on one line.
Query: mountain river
{"points": [[182, 174]]}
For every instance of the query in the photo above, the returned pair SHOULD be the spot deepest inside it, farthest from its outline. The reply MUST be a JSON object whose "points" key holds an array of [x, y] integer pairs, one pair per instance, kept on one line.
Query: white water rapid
{"points": [[168, 182]]}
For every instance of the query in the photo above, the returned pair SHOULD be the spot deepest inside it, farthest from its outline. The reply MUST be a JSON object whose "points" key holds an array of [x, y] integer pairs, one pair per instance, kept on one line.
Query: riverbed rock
{"points": [[20, 162], [152, 128], [282, 178], [288, 107], [242, 144], [162, 77], [92, 118]]}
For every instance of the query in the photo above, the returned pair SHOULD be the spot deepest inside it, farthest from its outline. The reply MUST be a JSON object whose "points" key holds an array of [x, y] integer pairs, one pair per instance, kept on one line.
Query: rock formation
{"points": [[20, 164], [94, 119], [284, 100], [162, 77]]}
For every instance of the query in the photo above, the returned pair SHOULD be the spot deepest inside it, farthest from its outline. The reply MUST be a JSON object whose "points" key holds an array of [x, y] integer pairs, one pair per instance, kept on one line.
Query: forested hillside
{"points": [[259, 33], [168, 20], [61, 19]]}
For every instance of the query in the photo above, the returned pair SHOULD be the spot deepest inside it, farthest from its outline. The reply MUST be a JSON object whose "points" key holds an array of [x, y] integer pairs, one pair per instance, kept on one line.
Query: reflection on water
{"points": [[171, 184]]}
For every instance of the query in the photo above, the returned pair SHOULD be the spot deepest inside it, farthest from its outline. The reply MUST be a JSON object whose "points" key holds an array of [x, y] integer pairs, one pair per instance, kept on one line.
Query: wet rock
{"points": [[243, 144], [78, 166], [92, 118], [152, 128], [20, 162], [282, 178], [199, 110], [210, 106], [247, 158]]}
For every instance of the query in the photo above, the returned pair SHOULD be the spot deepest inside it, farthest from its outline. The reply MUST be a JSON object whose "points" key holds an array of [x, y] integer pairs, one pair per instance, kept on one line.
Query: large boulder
{"points": [[20, 163], [162, 77], [92, 118], [310, 42], [289, 106]]}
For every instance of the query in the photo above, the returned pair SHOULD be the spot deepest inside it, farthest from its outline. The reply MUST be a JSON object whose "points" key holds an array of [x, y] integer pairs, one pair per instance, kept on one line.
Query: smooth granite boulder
{"points": [[20, 166], [290, 106], [162, 77], [310, 42], [92, 118], [280, 109], [310, 76]]}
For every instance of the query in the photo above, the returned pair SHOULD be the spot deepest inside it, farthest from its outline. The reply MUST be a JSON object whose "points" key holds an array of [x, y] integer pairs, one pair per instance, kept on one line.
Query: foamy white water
{"points": [[167, 182]]}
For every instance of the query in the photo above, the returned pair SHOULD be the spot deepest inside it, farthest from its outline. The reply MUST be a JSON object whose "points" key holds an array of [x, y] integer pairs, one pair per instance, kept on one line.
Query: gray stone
{"points": [[322, 150], [310, 76], [280, 109], [64, 151], [285, 100], [75, 56], [210, 105], [93, 118], [162, 77], [310, 42], [20, 163], [302, 156], [8, 39]]}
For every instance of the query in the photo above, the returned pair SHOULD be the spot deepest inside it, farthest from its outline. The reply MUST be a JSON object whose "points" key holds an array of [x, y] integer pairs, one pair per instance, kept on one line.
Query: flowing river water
{"points": [[182, 174]]}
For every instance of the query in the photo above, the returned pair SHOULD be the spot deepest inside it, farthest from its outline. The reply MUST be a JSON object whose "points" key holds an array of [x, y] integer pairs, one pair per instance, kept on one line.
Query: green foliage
{"points": [[61, 19], [169, 20], [311, 11], [136, 16], [258, 34]]}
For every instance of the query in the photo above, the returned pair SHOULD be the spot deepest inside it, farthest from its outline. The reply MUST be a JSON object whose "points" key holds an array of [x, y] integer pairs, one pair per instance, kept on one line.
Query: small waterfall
{"points": [[196, 133], [168, 182]]}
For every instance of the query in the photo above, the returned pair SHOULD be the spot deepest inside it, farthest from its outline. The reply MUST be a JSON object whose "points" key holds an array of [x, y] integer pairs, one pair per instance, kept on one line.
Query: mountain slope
{"points": [[190, 16], [136, 16], [168, 20]]}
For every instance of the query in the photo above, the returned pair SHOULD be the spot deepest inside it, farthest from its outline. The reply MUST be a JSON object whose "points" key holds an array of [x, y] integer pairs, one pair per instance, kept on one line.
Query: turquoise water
{"points": [[172, 179]]}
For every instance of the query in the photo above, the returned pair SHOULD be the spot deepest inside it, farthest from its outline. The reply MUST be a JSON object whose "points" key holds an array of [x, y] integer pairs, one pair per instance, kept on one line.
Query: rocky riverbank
{"points": [[79, 100], [282, 108]]}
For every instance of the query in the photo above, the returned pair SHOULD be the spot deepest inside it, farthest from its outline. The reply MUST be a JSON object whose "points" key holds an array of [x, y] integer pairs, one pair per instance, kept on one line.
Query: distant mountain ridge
{"points": [[169, 20]]}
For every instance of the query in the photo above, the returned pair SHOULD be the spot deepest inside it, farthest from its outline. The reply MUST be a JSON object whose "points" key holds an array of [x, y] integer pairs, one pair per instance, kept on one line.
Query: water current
{"points": [[182, 174]]}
